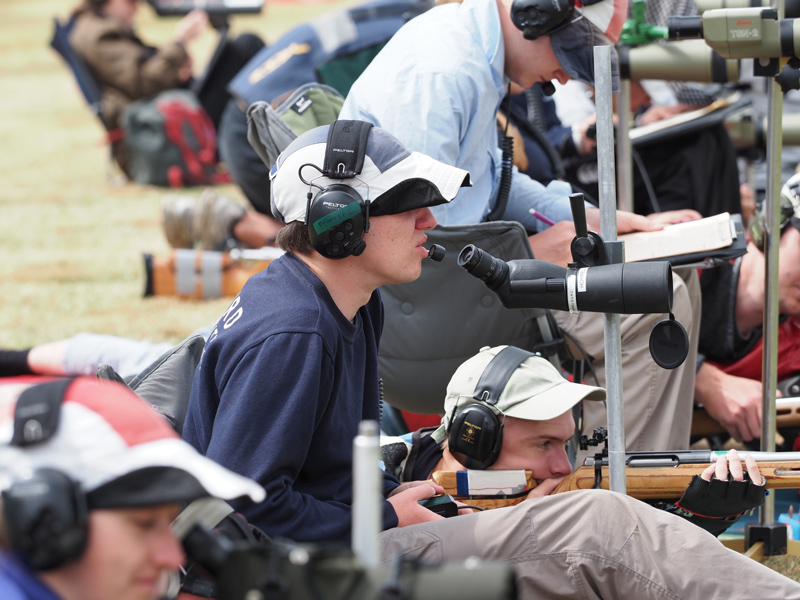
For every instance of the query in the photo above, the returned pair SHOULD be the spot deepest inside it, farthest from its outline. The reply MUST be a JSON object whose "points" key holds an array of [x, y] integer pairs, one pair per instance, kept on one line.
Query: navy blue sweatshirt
{"points": [[283, 384]]}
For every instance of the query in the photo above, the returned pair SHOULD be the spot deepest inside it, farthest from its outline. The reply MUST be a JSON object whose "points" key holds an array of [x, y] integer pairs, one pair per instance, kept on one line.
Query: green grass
{"points": [[70, 242]]}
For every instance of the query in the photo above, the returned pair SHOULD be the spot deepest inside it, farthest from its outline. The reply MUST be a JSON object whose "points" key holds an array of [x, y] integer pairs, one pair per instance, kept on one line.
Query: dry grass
{"points": [[70, 242]]}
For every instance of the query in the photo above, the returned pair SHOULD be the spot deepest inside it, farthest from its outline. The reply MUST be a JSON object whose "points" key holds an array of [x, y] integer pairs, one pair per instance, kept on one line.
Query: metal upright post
{"points": [[772, 240], [366, 512], [608, 230], [624, 168]]}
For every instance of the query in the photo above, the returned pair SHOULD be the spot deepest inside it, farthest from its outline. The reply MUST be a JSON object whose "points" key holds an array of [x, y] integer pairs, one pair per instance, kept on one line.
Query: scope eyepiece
{"points": [[685, 28], [492, 271]]}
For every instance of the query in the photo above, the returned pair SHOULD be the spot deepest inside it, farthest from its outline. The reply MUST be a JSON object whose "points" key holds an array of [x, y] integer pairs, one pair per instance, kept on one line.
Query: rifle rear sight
{"points": [[599, 436]]}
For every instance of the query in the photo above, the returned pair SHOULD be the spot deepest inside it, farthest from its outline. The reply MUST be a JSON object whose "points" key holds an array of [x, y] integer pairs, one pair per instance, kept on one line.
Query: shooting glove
{"points": [[717, 504]]}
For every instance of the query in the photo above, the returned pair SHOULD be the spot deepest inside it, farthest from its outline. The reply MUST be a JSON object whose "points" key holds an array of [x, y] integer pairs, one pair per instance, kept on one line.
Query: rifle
{"points": [[787, 413], [665, 475], [649, 475]]}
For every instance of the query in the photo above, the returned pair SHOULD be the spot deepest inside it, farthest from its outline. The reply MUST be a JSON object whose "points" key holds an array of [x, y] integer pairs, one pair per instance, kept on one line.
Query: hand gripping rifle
{"points": [[649, 475]]}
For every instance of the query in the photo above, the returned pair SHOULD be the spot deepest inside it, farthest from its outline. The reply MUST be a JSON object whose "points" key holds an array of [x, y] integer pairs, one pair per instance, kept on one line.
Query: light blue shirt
{"points": [[437, 86]]}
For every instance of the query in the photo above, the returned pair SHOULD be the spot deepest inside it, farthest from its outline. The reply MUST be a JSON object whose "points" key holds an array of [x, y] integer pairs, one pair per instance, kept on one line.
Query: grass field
{"points": [[71, 243]]}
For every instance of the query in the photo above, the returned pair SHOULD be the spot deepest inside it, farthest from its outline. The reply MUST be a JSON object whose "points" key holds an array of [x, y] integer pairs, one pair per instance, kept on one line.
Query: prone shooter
{"points": [[508, 411]]}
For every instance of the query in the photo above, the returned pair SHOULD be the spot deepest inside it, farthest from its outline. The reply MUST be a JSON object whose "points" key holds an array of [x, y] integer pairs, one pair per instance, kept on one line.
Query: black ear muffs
{"points": [[758, 225], [337, 217], [536, 18], [337, 220], [46, 519], [45, 514], [475, 433], [475, 436]]}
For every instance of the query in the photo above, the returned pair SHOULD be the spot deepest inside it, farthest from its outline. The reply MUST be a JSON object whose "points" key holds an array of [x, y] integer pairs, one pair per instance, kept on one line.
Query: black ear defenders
{"points": [[758, 223], [475, 433], [536, 18], [337, 217], [45, 514]]}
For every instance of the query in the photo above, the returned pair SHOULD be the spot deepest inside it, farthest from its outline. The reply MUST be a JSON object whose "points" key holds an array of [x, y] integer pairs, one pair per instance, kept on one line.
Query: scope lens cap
{"points": [[669, 344]]}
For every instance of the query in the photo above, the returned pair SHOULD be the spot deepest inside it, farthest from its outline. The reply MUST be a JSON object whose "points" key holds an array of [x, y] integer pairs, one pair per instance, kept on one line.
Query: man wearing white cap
{"points": [[437, 86], [508, 409], [291, 368], [291, 371], [91, 478]]}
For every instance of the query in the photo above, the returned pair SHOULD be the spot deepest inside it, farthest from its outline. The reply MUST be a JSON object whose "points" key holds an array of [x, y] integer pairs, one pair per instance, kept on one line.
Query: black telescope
{"points": [[626, 288]]}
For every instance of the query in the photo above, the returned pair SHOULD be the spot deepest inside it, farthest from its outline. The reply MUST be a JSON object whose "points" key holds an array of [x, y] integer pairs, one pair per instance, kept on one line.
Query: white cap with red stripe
{"points": [[607, 15], [121, 452]]}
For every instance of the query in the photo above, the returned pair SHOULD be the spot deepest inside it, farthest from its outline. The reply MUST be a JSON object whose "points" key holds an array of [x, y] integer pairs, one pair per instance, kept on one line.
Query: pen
{"points": [[541, 217]]}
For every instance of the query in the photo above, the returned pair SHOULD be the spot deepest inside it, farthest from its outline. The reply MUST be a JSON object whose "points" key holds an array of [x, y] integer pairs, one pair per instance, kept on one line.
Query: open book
{"points": [[720, 235]]}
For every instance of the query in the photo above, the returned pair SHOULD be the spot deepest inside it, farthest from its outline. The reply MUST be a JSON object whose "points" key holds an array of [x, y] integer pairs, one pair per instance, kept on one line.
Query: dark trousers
{"points": [[246, 168], [228, 59]]}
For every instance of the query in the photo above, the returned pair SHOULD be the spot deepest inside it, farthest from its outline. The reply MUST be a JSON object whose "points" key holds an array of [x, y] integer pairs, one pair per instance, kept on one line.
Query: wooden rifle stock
{"points": [[448, 480], [649, 476], [669, 483], [787, 413]]}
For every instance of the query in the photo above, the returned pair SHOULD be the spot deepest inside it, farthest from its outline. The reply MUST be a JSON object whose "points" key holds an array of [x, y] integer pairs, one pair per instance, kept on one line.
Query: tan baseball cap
{"points": [[536, 390]]}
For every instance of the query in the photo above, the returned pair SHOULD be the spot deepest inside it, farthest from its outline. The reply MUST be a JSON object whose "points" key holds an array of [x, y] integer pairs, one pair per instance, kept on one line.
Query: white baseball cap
{"points": [[393, 178], [120, 451]]}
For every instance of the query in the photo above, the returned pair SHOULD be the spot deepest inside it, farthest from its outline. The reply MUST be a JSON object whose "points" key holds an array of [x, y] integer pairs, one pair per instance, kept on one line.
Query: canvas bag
{"points": [[270, 130], [171, 141]]}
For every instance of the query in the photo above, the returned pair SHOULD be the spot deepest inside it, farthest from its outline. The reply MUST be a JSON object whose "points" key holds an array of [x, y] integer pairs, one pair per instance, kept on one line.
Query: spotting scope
{"points": [[791, 7], [624, 288], [685, 60], [740, 32], [748, 129]]}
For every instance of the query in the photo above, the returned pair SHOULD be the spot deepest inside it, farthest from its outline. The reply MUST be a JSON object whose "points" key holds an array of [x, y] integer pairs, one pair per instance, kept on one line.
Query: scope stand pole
{"points": [[772, 240], [366, 512], [608, 230], [625, 166]]}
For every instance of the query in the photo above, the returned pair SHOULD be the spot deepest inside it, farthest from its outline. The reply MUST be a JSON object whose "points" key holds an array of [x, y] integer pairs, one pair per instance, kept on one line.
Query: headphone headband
{"points": [[346, 149], [495, 376], [38, 412]]}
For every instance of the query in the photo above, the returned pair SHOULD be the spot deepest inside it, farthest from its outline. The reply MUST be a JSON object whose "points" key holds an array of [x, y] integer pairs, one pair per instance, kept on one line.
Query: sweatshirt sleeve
{"points": [[278, 423]]}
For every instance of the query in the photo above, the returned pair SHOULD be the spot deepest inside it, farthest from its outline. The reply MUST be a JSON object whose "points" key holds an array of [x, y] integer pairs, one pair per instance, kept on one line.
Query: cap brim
{"points": [[574, 49], [555, 401], [157, 467]]}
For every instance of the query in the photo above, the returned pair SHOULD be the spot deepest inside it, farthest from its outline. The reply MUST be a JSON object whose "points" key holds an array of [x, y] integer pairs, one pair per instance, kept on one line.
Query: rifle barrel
{"points": [[688, 457]]}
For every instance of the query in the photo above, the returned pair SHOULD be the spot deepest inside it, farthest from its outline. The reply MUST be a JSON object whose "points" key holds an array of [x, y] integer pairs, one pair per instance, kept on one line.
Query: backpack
{"points": [[171, 141], [270, 130]]}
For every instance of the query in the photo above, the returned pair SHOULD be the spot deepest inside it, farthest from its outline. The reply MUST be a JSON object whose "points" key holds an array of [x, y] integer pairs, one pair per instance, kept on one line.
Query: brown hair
{"points": [[294, 238]]}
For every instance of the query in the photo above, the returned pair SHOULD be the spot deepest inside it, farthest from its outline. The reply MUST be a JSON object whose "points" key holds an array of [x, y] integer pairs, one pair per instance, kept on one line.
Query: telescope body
{"points": [[791, 7], [685, 60], [740, 32], [748, 129], [626, 288]]}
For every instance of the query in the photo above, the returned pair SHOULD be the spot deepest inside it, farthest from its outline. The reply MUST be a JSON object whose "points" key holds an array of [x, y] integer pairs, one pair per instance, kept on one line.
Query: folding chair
{"points": [[87, 84], [80, 70], [435, 323]]}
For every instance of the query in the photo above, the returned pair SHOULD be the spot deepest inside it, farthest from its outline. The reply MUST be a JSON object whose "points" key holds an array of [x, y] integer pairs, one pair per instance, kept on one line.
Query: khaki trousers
{"points": [[594, 544], [657, 403]]}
